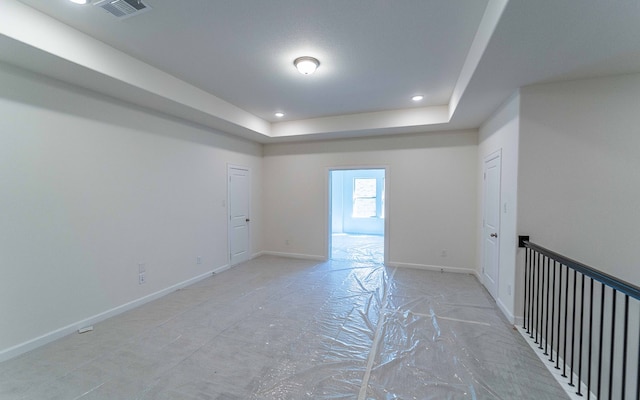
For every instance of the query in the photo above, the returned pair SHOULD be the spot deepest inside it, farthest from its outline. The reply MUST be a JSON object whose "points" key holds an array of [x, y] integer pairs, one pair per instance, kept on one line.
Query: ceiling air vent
{"points": [[123, 8]]}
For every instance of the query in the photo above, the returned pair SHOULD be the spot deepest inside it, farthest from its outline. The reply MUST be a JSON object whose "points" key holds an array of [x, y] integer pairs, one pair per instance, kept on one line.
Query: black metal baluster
{"points": [[553, 308], [566, 309], [544, 312], [624, 346], [581, 330], [613, 337], [542, 316], [590, 337], [535, 311], [600, 345], [531, 295], [546, 332], [573, 327], [526, 281], [540, 300], [559, 315]]}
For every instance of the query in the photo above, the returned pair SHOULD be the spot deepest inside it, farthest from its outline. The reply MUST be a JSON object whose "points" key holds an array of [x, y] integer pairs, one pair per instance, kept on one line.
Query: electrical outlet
{"points": [[198, 260], [287, 242], [142, 268], [141, 278]]}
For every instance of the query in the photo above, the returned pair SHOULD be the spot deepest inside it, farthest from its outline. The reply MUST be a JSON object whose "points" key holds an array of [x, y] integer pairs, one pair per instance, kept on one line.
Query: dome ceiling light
{"points": [[306, 65]]}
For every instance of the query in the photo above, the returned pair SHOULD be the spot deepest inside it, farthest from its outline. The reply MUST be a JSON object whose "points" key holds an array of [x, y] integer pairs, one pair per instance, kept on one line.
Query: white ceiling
{"points": [[229, 64]]}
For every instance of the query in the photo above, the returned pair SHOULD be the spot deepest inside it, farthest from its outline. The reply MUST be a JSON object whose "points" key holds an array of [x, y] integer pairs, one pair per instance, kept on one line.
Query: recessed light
{"points": [[79, 1], [279, 114], [417, 97], [306, 65]]}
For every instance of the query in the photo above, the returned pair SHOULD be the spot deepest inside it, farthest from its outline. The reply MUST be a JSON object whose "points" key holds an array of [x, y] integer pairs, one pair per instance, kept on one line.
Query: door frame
{"points": [[492, 156], [327, 205], [231, 167]]}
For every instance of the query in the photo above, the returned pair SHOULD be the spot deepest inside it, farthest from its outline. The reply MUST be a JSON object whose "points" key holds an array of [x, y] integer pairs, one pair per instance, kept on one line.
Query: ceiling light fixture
{"points": [[279, 114], [79, 1], [417, 97], [306, 65]]}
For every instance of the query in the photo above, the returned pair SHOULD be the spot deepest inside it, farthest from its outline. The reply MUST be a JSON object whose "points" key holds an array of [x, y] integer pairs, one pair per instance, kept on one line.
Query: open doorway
{"points": [[357, 215]]}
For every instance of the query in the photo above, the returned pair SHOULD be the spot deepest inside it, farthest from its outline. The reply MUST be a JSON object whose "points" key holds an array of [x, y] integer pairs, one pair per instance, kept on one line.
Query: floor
{"points": [[276, 328], [360, 248]]}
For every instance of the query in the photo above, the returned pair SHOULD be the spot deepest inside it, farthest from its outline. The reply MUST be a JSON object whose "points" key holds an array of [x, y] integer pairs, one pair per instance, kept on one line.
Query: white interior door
{"points": [[239, 219], [491, 223]]}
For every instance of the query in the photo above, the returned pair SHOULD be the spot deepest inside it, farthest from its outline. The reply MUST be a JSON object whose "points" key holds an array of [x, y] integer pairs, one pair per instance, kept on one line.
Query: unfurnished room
{"points": [[296, 199]]}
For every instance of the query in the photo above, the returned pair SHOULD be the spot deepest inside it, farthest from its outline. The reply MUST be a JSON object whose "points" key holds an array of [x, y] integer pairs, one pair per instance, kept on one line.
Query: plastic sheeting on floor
{"points": [[284, 329], [358, 248]]}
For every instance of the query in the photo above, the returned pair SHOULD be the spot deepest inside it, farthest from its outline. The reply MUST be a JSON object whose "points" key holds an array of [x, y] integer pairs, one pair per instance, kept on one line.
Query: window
{"points": [[364, 198]]}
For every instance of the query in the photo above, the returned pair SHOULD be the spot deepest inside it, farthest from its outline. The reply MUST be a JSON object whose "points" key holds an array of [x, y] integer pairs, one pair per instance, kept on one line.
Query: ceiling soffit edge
{"points": [[60, 40]]}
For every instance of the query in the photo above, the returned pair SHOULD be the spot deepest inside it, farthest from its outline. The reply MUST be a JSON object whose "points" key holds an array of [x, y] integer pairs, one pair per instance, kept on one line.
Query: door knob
{"points": [[247, 220], [494, 235]]}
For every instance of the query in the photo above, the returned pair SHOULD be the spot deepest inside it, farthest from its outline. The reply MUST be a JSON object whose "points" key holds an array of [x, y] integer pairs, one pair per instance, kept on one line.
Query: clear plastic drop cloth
{"points": [[407, 334], [277, 328], [358, 248]]}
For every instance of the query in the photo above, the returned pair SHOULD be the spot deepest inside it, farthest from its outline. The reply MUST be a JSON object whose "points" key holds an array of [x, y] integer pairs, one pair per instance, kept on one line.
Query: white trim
{"points": [[49, 337], [557, 374], [478, 275], [258, 254], [505, 311], [495, 155], [292, 255], [492, 156], [328, 212], [220, 269], [231, 167], [436, 268]]}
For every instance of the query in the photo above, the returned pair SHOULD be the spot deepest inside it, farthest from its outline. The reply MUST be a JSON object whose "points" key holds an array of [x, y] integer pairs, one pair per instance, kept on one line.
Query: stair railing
{"points": [[587, 322]]}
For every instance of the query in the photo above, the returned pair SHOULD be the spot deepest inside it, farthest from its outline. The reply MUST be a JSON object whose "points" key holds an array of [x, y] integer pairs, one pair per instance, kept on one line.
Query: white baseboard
{"points": [[436, 268], [29, 345], [510, 317], [292, 255], [220, 269], [519, 321], [556, 373], [477, 275]]}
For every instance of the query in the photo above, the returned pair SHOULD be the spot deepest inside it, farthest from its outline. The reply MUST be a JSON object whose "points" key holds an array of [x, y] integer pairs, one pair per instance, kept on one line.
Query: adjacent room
{"points": [[357, 215], [319, 200]]}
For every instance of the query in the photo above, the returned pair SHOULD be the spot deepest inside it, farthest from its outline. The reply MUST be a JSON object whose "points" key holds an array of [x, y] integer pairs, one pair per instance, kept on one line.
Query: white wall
{"points": [[500, 133], [579, 184], [570, 156], [431, 191], [579, 180], [91, 187]]}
